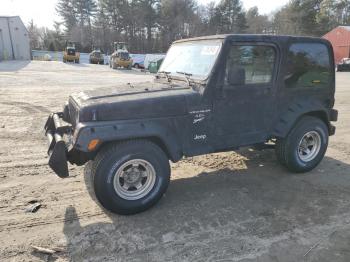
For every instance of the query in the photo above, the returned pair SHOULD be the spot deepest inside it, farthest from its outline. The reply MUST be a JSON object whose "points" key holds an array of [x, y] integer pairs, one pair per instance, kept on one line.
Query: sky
{"points": [[43, 11]]}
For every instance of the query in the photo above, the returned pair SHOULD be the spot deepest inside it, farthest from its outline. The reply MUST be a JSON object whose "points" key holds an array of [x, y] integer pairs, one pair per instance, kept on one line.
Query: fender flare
{"points": [[296, 110], [162, 132]]}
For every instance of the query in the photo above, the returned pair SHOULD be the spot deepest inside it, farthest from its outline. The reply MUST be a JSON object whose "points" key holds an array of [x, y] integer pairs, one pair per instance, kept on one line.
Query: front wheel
{"points": [[305, 146], [131, 176], [114, 65]]}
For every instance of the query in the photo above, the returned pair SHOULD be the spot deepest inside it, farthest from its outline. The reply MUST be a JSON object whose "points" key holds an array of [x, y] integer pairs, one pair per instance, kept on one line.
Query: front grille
{"points": [[73, 112], [124, 56], [71, 52]]}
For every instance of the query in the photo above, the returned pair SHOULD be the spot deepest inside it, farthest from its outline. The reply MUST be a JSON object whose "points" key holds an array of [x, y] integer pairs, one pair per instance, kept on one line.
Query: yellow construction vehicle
{"points": [[120, 56], [70, 54]]}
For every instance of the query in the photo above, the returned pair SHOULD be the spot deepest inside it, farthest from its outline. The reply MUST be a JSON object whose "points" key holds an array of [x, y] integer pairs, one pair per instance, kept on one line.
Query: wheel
{"points": [[137, 66], [76, 61], [64, 61], [131, 176], [305, 145], [114, 66]]}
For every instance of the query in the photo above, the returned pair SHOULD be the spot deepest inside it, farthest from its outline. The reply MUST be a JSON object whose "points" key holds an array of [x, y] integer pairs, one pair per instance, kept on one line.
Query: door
{"points": [[243, 108]]}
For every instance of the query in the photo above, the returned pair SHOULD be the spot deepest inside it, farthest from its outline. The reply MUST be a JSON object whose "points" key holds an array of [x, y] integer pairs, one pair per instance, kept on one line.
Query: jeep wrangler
{"points": [[211, 94]]}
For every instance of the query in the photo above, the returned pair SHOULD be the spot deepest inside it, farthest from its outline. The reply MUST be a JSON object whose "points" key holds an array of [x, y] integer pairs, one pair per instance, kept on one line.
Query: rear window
{"points": [[308, 65]]}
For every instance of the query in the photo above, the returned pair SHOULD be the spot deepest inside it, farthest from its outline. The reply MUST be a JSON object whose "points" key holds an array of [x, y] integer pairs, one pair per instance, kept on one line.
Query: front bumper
{"points": [[97, 60], [123, 63], [71, 57], [57, 145]]}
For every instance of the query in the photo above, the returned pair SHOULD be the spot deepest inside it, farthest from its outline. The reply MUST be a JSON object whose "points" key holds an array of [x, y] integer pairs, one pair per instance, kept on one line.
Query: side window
{"points": [[308, 65], [250, 64]]}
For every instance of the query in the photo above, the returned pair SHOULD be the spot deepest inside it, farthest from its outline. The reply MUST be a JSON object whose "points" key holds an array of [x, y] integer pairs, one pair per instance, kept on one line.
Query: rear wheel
{"points": [[305, 146], [131, 176]]}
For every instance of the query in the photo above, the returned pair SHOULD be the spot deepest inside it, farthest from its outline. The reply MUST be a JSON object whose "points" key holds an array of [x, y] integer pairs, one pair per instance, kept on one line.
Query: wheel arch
{"points": [[162, 135], [295, 112], [173, 156]]}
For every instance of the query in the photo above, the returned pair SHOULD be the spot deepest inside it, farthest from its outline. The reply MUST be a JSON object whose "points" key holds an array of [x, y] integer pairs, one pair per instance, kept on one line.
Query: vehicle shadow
{"points": [[131, 71], [76, 64], [222, 214], [13, 65]]}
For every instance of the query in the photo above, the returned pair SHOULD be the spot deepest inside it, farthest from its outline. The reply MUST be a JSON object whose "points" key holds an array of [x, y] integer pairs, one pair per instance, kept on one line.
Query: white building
{"points": [[14, 39]]}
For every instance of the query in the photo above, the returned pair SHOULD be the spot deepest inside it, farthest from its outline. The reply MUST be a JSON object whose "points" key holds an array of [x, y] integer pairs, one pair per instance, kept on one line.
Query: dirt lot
{"points": [[225, 207]]}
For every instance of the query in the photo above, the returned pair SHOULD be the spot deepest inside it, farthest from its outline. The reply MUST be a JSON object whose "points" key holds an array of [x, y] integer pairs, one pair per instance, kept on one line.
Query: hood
{"points": [[130, 101]]}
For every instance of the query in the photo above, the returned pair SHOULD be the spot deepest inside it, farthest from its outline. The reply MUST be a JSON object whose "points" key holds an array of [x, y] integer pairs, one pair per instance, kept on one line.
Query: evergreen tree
{"points": [[257, 24], [67, 10], [230, 17]]}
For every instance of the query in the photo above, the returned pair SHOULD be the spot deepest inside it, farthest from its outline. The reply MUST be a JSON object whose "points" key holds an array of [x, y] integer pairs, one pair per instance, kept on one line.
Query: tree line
{"points": [[150, 26]]}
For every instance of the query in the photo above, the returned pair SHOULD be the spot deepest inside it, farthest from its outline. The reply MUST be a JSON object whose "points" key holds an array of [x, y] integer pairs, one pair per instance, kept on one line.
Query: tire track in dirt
{"points": [[25, 117], [34, 222]]}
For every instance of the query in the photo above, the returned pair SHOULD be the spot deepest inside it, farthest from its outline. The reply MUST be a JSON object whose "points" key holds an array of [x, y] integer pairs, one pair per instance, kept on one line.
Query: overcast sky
{"points": [[43, 11]]}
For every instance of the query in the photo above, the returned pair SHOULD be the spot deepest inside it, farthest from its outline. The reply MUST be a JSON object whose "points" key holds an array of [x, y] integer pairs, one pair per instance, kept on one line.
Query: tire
{"points": [[113, 160], [114, 66], [279, 150], [298, 158]]}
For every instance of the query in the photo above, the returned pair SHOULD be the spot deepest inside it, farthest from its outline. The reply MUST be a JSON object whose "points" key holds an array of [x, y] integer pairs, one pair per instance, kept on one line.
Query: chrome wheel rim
{"points": [[134, 179], [309, 146]]}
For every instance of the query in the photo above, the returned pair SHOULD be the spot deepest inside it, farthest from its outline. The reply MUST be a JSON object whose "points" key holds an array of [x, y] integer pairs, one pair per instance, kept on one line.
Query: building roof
{"points": [[8, 16], [347, 27]]}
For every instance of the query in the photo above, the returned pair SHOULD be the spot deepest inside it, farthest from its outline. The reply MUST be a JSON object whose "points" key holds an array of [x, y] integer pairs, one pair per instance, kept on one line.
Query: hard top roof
{"points": [[252, 37]]}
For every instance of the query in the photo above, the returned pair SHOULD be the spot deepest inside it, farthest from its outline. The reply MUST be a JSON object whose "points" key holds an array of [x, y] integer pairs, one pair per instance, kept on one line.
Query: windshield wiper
{"points": [[167, 75], [187, 76]]}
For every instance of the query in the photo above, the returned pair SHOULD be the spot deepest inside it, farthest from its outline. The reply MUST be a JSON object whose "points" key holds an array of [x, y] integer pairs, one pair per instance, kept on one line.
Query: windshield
{"points": [[124, 55], [195, 58]]}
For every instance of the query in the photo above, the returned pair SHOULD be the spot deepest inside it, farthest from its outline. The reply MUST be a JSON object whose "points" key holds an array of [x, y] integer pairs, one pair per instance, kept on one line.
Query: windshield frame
{"points": [[194, 77]]}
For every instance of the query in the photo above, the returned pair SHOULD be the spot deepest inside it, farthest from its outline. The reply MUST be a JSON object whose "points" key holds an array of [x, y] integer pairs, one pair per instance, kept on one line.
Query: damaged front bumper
{"points": [[59, 137]]}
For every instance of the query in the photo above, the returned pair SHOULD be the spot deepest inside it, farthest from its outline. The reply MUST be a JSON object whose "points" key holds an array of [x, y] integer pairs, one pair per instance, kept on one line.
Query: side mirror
{"points": [[236, 76]]}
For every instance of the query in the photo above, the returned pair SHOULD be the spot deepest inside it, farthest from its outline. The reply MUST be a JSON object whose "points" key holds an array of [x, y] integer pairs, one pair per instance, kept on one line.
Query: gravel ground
{"points": [[237, 206]]}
